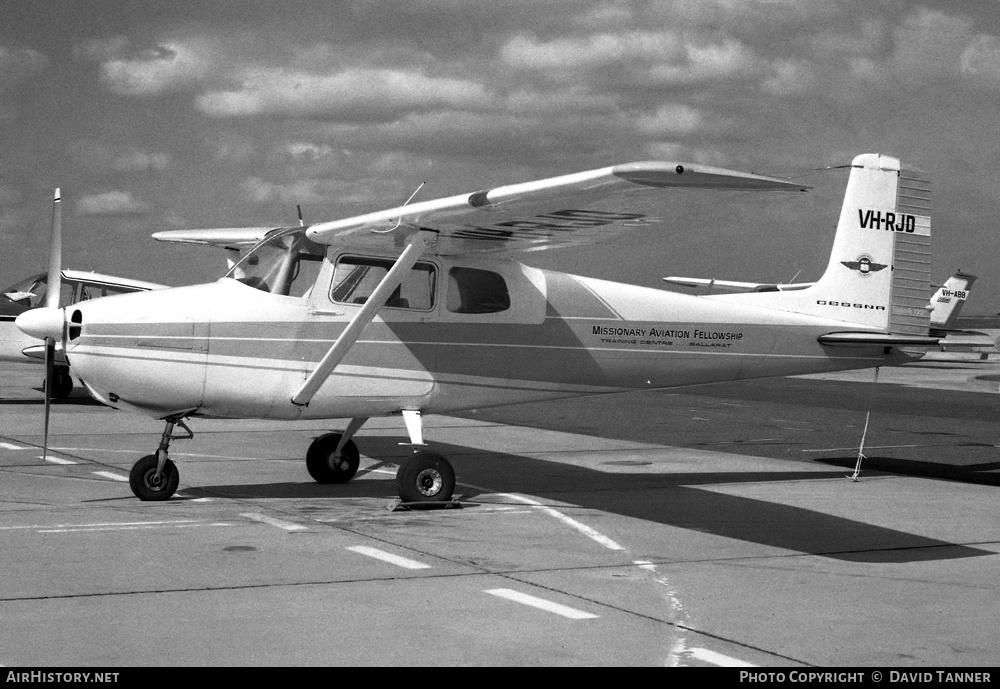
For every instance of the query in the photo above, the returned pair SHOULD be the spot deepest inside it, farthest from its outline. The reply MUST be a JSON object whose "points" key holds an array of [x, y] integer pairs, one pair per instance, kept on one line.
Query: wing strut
{"points": [[417, 245]]}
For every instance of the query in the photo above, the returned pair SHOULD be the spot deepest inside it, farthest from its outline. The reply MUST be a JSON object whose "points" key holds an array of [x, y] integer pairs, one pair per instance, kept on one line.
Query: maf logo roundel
{"points": [[864, 265]]}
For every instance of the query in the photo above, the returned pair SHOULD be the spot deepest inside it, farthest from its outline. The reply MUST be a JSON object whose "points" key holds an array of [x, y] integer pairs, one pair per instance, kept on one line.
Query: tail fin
{"points": [[948, 301], [878, 277]]}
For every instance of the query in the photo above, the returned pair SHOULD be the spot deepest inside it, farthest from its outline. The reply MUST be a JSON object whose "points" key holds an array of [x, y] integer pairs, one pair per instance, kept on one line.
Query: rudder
{"points": [[878, 276]]}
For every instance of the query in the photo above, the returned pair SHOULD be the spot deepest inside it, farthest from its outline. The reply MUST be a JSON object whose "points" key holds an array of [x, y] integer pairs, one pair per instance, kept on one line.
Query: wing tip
{"points": [[658, 173]]}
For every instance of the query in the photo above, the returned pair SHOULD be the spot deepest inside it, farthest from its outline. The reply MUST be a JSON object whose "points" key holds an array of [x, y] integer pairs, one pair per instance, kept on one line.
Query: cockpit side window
{"points": [[355, 278], [90, 290], [472, 290]]}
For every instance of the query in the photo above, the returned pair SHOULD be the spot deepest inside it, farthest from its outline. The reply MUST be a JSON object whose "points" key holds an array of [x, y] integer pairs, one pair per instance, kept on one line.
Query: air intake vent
{"points": [[75, 324]]}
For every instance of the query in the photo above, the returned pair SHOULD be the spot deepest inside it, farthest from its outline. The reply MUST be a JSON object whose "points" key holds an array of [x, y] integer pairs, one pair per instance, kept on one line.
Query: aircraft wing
{"points": [[224, 237], [560, 211]]}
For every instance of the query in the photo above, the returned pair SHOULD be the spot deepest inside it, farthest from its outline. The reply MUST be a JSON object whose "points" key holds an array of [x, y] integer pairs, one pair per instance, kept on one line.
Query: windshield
{"points": [[287, 262], [30, 292]]}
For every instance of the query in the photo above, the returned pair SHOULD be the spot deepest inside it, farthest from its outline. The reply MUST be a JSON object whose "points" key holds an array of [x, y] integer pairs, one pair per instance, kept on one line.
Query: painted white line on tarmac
{"points": [[280, 523], [718, 658], [135, 452], [679, 647], [128, 528], [388, 557], [101, 525], [107, 526], [57, 460], [569, 521], [10, 446], [541, 604], [111, 475], [855, 447]]}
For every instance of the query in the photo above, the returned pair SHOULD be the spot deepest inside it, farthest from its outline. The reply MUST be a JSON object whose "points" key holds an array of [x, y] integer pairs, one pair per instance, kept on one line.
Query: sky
{"points": [[216, 113]]}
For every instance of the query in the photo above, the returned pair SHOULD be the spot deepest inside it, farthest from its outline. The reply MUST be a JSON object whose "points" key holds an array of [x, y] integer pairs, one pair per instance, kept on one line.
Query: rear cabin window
{"points": [[471, 290], [355, 279]]}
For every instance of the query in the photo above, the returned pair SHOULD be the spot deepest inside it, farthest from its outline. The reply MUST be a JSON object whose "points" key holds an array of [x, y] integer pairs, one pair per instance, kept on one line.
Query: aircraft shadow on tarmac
{"points": [[670, 499], [967, 473]]}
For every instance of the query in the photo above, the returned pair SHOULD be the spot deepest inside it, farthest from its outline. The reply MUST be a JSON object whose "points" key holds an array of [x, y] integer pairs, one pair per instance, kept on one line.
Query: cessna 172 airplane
{"points": [[76, 286], [422, 309]]}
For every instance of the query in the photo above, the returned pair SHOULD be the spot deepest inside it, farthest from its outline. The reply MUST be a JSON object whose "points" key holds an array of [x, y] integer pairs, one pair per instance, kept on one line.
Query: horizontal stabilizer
{"points": [[860, 339], [735, 286]]}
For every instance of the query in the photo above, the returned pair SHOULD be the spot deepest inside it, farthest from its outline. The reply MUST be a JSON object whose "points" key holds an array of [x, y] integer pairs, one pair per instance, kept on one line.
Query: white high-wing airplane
{"points": [[76, 286], [421, 309]]}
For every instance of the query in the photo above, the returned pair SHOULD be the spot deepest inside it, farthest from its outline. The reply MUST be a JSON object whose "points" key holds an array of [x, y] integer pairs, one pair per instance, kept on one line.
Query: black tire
{"points": [[425, 477], [319, 459], [142, 479], [62, 383]]}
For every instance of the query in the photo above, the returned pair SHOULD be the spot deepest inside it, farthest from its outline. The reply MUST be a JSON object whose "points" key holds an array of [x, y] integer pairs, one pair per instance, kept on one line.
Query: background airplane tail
{"points": [[948, 301], [878, 277]]}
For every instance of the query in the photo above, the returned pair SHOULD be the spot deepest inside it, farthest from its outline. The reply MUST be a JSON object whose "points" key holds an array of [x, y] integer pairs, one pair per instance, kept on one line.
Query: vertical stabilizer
{"points": [[878, 277], [947, 302]]}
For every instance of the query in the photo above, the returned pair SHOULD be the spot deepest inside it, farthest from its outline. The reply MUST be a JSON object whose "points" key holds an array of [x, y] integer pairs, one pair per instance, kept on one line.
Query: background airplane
{"points": [[30, 293], [422, 309]]}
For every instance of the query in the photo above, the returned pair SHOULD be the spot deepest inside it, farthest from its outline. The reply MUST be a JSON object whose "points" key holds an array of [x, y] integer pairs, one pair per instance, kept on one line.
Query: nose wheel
{"points": [[149, 484], [155, 477]]}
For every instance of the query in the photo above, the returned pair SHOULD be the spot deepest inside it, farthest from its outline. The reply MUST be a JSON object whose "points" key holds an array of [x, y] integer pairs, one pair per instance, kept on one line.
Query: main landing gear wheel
{"points": [[145, 484], [426, 477], [325, 467]]}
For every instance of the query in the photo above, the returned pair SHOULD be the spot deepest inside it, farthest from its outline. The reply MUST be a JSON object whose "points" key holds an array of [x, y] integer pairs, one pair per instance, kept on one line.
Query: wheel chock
{"points": [[400, 506]]}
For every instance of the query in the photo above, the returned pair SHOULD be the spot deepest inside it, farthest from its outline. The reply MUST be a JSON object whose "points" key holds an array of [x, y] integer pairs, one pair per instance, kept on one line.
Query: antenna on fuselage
{"points": [[298, 207]]}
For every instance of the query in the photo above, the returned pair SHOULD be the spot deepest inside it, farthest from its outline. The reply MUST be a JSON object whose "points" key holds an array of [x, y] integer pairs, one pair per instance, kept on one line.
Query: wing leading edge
{"points": [[559, 211]]}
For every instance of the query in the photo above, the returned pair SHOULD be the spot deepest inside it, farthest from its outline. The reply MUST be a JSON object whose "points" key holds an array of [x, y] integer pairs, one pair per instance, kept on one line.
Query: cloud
{"points": [[549, 101], [351, 94], [707, 61], [650, 57], [109, 203], [671, 120], [980, 60], [304, 151], [300, 191], [586, 52], [103, 159], [929, 45], [129, 70], [137, 160], [18, 64]]}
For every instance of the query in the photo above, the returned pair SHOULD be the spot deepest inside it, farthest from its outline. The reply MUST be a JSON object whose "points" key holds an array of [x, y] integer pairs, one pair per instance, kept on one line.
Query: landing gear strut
{"points": [[155, 477]]}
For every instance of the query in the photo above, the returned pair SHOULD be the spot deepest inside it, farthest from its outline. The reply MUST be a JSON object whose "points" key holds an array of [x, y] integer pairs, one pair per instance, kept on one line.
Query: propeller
{"points": [[52, 293], [48, 323]]}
